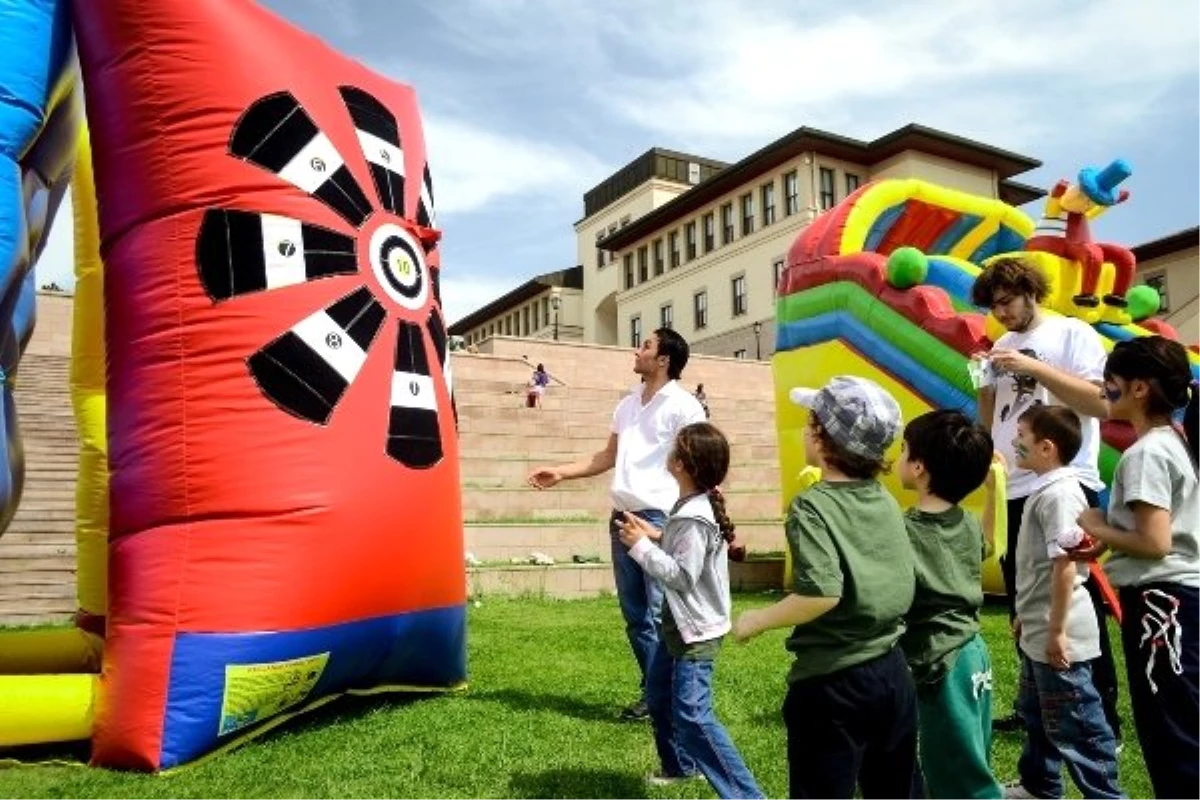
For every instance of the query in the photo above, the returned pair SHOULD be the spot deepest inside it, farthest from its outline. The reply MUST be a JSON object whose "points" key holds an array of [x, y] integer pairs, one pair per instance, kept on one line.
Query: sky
{"points": [[527, 104]]}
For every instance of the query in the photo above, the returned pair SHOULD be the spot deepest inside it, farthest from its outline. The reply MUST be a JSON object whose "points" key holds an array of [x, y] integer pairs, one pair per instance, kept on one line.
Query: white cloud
{"points": [[473, 167], [748, 77]]}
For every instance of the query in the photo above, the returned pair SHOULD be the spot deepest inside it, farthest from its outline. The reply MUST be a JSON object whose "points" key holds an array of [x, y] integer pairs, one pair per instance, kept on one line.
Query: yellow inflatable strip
{"points": [[35, 709]]}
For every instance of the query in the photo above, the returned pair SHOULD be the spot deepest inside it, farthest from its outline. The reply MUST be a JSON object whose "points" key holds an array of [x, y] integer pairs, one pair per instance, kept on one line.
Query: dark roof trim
{"points": [[566, 278], [802, 140], [1018, 194], [1166, 245]]}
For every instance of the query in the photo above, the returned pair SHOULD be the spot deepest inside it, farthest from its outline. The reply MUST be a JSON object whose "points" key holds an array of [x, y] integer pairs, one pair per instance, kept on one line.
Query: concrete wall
{"points": [[1182, 273]]}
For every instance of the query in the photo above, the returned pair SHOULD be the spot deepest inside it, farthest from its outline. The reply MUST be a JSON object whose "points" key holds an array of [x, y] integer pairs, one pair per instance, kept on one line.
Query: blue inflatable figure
{"points": [[40, 117]]}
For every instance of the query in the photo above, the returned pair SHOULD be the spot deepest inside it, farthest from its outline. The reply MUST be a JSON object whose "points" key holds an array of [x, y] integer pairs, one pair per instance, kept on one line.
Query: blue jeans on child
{"points": [[640, 595], [686, 731], [1064, 721]]}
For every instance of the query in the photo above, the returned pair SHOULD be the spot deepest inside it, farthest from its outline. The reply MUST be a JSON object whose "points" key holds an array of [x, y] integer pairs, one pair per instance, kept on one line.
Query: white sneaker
{"points": [[658, 779]]}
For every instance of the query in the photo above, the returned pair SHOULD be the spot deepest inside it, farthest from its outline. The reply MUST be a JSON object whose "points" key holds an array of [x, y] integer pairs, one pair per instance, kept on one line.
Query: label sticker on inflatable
{"points": [[254, 692]]}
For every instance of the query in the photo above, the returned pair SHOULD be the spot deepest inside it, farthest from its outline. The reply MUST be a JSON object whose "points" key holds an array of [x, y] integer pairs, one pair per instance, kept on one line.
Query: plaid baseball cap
{"points": [[857, 413]]}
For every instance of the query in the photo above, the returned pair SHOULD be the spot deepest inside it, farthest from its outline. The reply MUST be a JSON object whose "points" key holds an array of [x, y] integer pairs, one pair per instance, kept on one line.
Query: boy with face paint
{"points": [[1056, 625], [1052, 360]]}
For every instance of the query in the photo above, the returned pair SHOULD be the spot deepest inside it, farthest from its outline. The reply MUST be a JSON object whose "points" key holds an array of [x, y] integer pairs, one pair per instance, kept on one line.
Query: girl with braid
{"points": [[692, 565]]}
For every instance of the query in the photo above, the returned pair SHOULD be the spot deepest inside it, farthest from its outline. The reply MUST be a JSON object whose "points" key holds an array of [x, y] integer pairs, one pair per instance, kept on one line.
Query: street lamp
{"points": [[555, 302], [757, 341]]}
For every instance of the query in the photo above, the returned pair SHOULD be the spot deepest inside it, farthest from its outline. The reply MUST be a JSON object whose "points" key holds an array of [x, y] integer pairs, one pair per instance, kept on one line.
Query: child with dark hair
{"points": [[692, 565], [851, 706], [1056, 625], [1151, 527], [944, 457]]}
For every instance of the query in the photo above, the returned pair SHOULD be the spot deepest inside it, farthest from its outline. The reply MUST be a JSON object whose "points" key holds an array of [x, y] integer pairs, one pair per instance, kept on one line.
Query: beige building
{"points": [[706, 261], [1172, 265], [546, 307]]}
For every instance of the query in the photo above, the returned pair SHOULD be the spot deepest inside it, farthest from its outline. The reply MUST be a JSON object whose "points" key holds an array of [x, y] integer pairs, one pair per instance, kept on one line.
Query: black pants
{"points": [[1104, 672], [857, 726], [1166, 703]]}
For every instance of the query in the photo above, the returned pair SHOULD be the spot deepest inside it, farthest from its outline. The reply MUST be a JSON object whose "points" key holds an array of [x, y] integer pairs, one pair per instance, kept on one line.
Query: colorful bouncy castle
{"points": [[880, 287], [269, 510]]}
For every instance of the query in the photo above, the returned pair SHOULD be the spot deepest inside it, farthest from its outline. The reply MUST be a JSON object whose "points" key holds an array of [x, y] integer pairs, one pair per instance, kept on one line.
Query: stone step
{"points": [[500, 542], [490, 472], [576, 500], [572, 581], [555, 450]]}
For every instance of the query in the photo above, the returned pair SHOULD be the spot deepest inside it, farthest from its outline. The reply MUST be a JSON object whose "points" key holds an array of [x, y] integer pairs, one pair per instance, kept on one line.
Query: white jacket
{"points": [[692, 564]]}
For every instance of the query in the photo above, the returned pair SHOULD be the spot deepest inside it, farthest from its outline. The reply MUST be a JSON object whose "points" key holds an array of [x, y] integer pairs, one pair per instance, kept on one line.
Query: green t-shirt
{"points": [[847, 540], [947, 546]]}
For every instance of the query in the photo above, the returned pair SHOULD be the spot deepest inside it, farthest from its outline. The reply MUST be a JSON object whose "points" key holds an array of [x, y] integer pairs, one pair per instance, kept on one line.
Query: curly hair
{"points": [[1017, 275], [704, 452]]}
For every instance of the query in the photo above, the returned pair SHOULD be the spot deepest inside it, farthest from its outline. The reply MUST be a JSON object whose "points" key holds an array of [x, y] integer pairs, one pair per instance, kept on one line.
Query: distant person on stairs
{"points": [[643, 431], [538, 382], [702, 399]]}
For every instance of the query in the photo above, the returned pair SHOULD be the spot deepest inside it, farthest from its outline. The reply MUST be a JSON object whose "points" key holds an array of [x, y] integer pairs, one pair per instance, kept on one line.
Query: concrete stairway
{"points": [[37, 552], [501, 441]]}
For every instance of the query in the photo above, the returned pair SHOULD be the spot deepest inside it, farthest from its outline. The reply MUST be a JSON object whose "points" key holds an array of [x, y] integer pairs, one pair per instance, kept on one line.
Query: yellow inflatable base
{"points": [[35, 709]]}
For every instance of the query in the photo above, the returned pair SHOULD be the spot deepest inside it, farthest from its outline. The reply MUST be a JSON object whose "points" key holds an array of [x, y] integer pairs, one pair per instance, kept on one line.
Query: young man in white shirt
{"points": [[643, 431], [1052, 360]]}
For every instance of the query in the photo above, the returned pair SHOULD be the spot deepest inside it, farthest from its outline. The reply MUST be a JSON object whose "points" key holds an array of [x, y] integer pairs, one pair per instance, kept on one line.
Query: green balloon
{"points": [[1144, 302], [907, 267]]}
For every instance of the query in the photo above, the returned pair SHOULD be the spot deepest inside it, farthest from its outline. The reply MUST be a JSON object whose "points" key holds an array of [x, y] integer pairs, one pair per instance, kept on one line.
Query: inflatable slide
{"points": [[880, 287]]}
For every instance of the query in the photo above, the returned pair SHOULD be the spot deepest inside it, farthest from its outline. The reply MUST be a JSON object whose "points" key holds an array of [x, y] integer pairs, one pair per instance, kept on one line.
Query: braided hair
{"points": [[704, 452]]}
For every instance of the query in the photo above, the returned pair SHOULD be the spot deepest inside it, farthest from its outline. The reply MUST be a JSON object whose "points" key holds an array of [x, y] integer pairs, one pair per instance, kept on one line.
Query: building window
{"points": [[643, 265], [546, 309], [700, 308], [778, 267], [739, 295], [673, 238], [1158, 281], [727, 223], [658, 257], [525, 321], [666, 316], [827, 198], [635, 332], [710, 232], [747, 214], [768, 203], [629, 270], [852, 183], [739, 353], [508, 326], [599, 258], [791, 193], [689, 235]]}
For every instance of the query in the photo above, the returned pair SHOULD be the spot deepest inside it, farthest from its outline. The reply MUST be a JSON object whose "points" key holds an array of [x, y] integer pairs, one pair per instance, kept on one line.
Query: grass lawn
{"points": [[539, 720]]}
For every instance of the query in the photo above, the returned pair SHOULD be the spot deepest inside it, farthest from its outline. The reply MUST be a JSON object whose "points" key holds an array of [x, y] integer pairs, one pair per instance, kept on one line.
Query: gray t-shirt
{"points": [[1157, 470], [1055, 506]]}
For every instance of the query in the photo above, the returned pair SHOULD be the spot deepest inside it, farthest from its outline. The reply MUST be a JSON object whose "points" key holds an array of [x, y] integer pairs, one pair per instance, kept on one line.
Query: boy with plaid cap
{"points": [[851, 706]]}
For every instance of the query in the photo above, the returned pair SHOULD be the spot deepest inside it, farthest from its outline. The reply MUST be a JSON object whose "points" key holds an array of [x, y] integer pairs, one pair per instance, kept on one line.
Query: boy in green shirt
{"points": [[944, 457], [851, 707]]}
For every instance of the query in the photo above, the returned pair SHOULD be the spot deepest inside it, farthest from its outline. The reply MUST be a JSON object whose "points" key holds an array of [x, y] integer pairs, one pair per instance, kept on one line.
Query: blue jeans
{"points": [[640, 595], [1064, 721], [686, 732]]}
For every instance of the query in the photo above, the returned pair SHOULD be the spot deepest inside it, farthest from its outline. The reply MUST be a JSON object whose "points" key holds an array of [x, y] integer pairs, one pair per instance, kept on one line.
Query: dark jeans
{"points": [[856, 726], [1104, 671], [1162, 651], [686, 731], [640, 595], [1064, 722]]}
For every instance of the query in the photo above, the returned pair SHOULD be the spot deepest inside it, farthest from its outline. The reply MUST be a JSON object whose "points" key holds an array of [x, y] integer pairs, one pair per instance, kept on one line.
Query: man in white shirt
{"points": [[1043, 359], [642, 434]]}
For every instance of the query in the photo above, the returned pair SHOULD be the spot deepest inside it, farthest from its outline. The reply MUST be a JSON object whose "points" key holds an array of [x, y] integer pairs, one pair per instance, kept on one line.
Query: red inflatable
{"points": [[286, 520]]}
